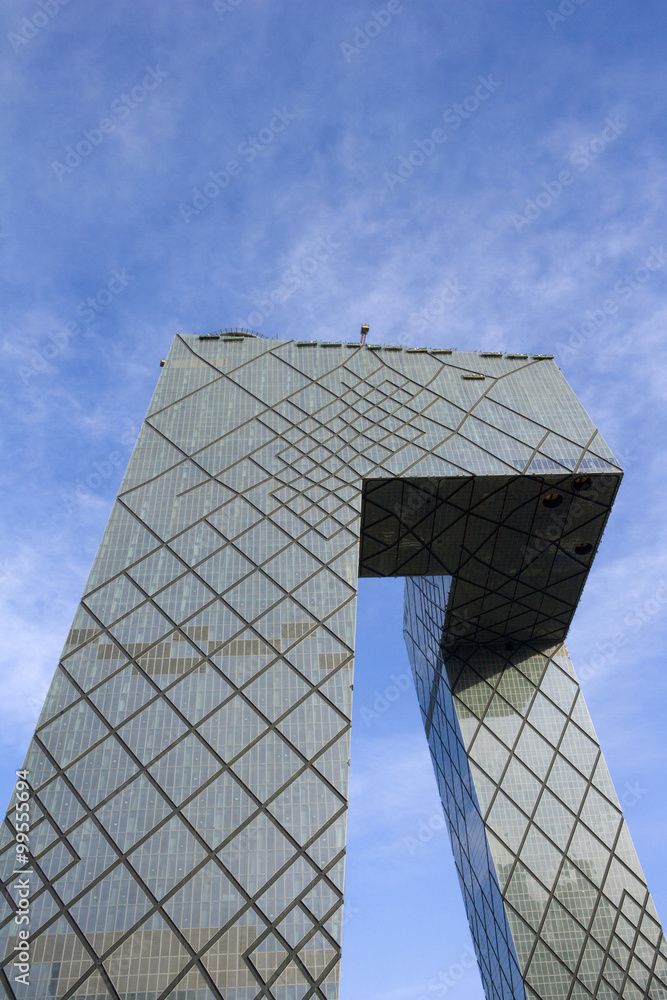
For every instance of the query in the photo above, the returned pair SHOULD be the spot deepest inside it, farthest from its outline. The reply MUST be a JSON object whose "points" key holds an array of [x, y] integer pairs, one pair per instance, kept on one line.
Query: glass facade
{"points": [[189, 770], [555, 895]]}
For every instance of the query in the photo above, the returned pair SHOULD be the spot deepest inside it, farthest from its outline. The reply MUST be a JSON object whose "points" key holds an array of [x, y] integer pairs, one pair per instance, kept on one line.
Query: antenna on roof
{"points": [[364, 330]]}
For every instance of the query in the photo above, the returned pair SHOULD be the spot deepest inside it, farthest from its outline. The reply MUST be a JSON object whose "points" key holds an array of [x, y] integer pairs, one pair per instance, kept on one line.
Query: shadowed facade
{"points": [[190, 766]]}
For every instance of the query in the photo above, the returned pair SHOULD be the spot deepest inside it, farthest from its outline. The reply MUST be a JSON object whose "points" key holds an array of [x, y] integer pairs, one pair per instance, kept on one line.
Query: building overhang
{"points": [[518, 548]]}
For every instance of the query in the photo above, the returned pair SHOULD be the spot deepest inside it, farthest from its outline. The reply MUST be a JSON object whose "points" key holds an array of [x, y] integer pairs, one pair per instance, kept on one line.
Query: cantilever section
{"points": [[518, 548], [195, 742]]}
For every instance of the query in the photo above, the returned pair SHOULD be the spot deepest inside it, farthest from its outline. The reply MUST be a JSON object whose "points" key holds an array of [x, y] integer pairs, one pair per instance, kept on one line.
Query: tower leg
{"points": [[556, 898]]}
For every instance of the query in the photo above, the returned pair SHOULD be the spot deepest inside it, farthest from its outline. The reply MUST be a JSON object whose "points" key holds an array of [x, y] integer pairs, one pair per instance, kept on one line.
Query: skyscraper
{"points": [[189, 772]]}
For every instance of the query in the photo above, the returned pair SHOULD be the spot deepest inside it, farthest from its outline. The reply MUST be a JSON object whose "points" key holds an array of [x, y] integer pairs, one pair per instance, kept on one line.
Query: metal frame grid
{"points": [[190, 764], [509, 732]]}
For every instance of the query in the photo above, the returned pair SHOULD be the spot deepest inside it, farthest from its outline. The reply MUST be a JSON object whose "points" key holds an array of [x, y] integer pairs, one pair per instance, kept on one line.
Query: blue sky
{"points": [[463, 174]]}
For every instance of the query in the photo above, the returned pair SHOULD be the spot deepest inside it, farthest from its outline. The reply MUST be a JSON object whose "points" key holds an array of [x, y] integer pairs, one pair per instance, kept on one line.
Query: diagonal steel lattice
{"points": [[189, 770]]}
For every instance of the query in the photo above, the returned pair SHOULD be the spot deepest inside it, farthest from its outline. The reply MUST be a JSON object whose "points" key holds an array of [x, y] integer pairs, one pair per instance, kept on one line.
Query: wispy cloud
{"points": [[398, 252]]}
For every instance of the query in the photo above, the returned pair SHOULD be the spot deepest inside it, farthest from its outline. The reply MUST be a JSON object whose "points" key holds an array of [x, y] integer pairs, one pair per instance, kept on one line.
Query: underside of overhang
{"points": [[517, 548]]}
